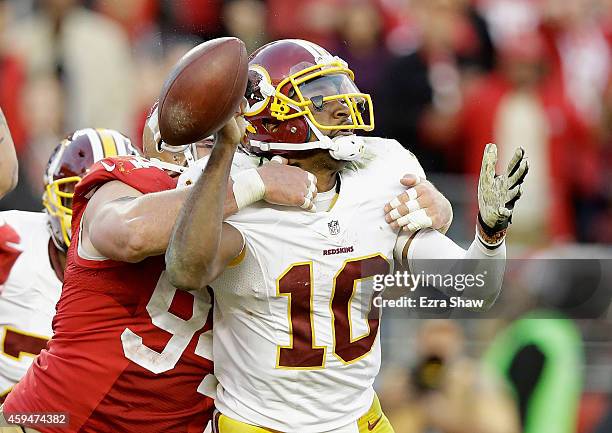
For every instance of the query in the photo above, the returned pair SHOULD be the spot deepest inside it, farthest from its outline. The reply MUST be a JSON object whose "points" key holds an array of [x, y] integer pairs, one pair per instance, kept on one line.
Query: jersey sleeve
{"points": [[134, 171]]}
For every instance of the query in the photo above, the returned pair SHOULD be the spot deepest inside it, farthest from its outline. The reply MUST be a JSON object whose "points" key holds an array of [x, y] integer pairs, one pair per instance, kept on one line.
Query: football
{"points": [[203, 91]]}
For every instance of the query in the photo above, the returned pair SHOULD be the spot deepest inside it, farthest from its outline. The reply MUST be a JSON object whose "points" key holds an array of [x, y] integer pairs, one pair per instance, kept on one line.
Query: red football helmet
{"points": [[68, 163], [288, 80]]}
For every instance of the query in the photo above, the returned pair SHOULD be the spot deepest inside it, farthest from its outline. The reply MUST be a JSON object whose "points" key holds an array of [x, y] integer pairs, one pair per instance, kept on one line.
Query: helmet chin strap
{"points": [[343, 148]]}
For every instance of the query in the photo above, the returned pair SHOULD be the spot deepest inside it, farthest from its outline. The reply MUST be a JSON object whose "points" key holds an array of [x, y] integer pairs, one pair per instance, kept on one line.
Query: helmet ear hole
{"points": [[271, 127]]}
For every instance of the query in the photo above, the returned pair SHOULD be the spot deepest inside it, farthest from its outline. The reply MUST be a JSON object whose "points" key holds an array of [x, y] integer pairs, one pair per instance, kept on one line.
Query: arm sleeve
{"points": [[432, 253]]}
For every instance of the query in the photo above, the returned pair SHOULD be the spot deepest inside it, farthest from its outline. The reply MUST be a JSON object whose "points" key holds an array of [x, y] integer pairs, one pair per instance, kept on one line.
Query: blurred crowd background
{"points": [[446, 76]]}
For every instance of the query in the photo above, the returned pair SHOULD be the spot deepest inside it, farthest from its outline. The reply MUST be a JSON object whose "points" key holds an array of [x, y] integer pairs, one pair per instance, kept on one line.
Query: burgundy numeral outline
{"points": [[296, 283], [16, 344]]}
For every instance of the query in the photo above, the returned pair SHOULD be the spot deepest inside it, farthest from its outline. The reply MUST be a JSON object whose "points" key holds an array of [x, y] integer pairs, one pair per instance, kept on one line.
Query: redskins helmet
{"points": [[288, 81], [68, 163]]}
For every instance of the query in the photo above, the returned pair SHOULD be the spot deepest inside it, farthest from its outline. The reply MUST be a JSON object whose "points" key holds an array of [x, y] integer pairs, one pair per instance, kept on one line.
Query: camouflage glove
{"points": [[497, 195]]}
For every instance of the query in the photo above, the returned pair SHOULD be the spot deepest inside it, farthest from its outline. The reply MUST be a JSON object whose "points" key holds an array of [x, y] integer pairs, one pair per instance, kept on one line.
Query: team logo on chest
{"points": [[334, 227]]}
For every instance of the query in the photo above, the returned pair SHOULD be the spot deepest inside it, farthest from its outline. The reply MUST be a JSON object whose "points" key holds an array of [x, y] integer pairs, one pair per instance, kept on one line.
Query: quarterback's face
{"points": [[332, 112]]}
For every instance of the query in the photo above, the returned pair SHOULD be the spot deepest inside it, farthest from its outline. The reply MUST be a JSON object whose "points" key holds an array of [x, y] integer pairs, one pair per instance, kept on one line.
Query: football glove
{"points": [[497, 194]]}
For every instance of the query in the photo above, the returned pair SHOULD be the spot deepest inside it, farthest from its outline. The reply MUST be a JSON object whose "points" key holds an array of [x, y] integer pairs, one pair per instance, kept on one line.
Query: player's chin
{"points": [[342, 132]]}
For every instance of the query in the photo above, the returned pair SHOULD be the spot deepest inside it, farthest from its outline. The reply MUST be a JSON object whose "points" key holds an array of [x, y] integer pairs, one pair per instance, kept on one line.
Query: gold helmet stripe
{"points": [[108, 142]]}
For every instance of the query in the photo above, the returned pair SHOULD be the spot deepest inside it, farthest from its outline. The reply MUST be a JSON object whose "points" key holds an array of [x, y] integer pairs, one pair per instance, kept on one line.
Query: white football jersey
{"points": [[296, 341], [29, 290]]}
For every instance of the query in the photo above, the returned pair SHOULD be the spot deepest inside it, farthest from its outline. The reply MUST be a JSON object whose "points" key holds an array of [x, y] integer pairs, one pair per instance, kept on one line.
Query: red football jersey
{"points": [[130, 353]]}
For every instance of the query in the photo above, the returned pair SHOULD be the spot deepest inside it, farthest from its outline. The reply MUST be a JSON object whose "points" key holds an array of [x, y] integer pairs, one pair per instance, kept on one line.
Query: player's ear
{"points": [[271, 127]]}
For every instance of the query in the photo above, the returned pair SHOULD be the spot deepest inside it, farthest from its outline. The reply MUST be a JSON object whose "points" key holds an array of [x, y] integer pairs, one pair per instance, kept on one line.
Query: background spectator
{"points": [[79, 72], [423, 91], [445, 391], [360, 31], [87, 53], [246, 19], [12, 81], [523, 104]]}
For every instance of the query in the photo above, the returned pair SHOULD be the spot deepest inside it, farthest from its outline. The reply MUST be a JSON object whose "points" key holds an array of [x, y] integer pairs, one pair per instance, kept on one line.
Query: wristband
{"points": [[489, 240], [248, 188]]}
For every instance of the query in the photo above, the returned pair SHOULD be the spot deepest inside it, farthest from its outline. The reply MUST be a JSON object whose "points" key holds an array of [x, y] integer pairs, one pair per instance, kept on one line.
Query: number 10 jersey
{"points": [[296, 342]]}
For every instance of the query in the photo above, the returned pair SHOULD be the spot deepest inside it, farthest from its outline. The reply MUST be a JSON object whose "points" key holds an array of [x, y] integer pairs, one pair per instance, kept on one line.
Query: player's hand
{"points": [[421, 206], [233, 132], [497, 194], [287, 185]]}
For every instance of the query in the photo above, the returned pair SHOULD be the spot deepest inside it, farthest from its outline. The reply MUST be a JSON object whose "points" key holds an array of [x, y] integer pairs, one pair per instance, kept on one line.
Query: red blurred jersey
{"points": [[130, 353]]}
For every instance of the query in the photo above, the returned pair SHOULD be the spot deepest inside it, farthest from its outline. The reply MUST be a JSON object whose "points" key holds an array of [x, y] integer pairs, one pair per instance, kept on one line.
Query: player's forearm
{"points": [[432, 253], [153, 217], [135, 228], [192, 257], [145, 224], [8, 158]]}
